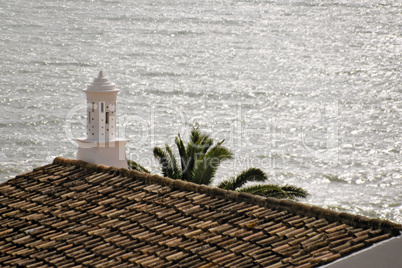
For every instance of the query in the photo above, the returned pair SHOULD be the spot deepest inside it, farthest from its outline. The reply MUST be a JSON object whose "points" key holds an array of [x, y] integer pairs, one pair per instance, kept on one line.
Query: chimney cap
{"points": [[101, 84]]}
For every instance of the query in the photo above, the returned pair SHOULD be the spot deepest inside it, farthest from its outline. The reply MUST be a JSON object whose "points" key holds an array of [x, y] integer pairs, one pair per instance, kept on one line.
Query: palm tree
{"points": [[200, 159]]}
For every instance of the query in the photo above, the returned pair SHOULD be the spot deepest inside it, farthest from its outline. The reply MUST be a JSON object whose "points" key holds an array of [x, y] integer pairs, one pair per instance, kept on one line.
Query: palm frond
{"points": [[192, 154], [205, 167], [194, 135], [199, 142], [251, 174], [221, 151], [161, 156], [188, 163], [174, 168], [135, 166], [205, 145], [182, 150], [204, 170], [295, 192], [267, 190], [271, 190], [227, 184], [186, 159], [165, 162]]}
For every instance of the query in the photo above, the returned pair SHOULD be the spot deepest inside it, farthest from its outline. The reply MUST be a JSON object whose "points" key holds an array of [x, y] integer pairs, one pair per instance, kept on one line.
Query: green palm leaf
{"points": [[174, 169], [182, 151], [135, 166], [161, 156], [199, 142], [295, 192], [196, 148], [251, 174], [186, 159], [195, 135], [205, 168], [165, 162], [271, 190]]}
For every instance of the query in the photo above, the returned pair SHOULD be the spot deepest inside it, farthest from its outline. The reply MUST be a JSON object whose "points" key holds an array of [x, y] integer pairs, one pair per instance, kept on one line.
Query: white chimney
{"points": [[102, 145]]}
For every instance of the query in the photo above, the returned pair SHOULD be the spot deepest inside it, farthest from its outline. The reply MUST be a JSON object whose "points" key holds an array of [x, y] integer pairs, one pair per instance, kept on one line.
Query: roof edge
{"points": [[268, 202]]}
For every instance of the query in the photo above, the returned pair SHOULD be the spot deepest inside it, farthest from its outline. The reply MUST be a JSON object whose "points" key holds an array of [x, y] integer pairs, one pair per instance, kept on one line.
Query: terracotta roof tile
{"points": [[74, 214]]}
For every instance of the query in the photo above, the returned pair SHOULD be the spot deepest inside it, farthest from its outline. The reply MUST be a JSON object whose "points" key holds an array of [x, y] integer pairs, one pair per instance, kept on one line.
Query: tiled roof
{"points": [[74, 214]]}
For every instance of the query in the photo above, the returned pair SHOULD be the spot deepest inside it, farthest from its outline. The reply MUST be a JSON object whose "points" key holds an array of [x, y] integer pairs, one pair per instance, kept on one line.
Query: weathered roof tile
{"points": [[74, 214]]}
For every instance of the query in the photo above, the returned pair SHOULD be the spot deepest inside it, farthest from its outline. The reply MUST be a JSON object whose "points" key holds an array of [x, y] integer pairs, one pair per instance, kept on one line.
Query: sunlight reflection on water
{"points": [[262, 75]]}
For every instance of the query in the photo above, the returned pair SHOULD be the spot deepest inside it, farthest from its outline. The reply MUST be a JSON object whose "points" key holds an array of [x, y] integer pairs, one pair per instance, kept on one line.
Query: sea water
{"points": [[309, 91]]}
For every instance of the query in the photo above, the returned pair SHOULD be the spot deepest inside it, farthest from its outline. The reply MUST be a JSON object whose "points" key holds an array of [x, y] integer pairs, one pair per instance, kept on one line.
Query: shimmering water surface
{"points": [[308, 91]]}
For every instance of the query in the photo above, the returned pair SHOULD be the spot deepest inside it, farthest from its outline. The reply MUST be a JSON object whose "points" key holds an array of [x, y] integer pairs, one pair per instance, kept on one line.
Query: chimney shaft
{"points": [[101, 146]]}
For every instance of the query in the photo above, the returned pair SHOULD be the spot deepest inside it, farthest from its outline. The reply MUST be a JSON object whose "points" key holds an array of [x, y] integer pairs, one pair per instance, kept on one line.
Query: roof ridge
{"points": [[267, 202]]}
